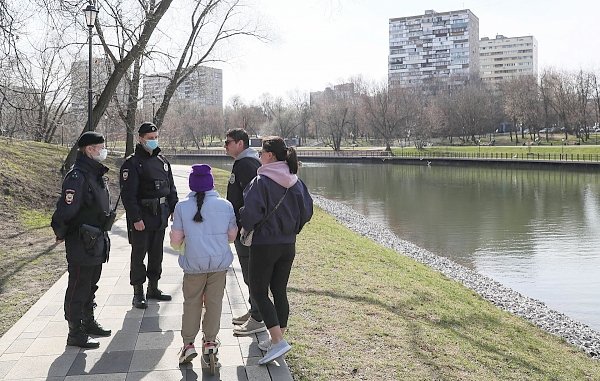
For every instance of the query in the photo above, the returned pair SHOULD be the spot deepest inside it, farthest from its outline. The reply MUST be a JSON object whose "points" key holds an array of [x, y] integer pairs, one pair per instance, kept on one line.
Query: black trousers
{"points": [[269, 268], [81, 291], [243, 253], [142, 242]]}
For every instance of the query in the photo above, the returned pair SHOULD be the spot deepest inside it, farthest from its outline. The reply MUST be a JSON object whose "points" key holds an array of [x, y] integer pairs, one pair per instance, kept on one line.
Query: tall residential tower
{"points": [[437, 49]]}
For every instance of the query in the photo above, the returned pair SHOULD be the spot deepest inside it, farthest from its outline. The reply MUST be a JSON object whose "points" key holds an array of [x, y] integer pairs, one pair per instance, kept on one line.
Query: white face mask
{"points": [[101, 155]]}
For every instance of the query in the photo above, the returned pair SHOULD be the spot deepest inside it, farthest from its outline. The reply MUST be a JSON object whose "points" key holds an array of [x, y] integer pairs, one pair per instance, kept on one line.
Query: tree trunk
{"points": [[116, 76]]}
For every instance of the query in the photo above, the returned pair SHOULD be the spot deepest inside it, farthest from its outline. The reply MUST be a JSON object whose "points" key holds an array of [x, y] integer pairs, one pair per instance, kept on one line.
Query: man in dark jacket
{"points": [[80, 220], [237, 145], [149, 197]]}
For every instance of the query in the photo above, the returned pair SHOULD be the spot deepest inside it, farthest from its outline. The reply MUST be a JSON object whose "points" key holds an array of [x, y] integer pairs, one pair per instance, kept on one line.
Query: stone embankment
{"points": [[505, 298]]}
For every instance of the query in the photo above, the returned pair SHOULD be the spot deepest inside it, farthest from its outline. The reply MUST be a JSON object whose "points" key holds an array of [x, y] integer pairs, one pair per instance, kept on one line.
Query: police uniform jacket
{"points": [[146, 178], [81, 212]]}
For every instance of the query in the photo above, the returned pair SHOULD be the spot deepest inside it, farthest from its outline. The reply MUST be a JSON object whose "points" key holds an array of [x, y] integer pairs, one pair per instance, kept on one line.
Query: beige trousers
{"points": [[197, 288]]}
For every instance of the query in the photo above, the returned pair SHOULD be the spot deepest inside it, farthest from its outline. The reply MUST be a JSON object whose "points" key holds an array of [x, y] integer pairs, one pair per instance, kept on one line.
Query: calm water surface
{"points": [[536, 231]]}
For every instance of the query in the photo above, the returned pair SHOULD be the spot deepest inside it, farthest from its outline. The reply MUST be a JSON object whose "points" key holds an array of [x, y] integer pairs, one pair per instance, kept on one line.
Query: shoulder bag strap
{"points": [[272, 211]]}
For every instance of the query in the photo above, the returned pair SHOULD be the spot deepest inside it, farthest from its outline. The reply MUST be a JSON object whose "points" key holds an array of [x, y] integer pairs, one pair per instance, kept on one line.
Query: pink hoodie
{"points": [[279, 172]]}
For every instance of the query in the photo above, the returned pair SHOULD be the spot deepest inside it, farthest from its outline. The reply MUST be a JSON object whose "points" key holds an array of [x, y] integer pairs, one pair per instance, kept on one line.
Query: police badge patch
{"points": [[232, 179], [166, 167], [125, 174], [69, 196]]}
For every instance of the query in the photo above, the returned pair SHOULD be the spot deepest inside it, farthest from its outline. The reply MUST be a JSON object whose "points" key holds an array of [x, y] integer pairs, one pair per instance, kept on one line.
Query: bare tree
{"points": [[583, 90], [212, 22], [559, 88], [133, 24], [334, 113], [285, 119], [239, 115], [386, 112], [596, 96]]}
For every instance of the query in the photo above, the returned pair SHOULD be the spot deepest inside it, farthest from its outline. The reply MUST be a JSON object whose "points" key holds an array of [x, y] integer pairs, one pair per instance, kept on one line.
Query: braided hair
{"points": [[199, 202]]}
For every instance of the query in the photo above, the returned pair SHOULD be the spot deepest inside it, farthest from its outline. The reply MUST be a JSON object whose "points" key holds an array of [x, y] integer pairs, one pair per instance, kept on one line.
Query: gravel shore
{"points": [[509, 300]]}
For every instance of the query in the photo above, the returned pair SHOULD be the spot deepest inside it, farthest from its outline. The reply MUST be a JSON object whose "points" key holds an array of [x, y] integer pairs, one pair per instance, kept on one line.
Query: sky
{"points": [[318, 43]]}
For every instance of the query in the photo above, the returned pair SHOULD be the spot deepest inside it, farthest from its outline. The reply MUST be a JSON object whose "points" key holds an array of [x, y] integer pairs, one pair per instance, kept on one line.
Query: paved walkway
{"points": [[144, 344]]}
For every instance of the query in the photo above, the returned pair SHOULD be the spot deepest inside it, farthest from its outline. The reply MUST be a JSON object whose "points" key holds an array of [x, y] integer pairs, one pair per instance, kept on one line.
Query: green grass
{"points": [[511, 150], [360, 311]]}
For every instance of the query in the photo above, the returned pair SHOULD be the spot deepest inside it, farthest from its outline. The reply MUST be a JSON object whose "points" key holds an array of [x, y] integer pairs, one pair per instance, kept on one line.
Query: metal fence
{"points": [[559, 157]]}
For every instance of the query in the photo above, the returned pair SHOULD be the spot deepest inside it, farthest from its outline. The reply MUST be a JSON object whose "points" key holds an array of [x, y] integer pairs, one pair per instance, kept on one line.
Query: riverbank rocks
{"points": [[505, 298]]}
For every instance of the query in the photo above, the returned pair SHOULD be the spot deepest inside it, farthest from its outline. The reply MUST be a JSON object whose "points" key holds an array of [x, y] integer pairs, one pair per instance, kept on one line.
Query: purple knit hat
{"points": [[201, 179]]}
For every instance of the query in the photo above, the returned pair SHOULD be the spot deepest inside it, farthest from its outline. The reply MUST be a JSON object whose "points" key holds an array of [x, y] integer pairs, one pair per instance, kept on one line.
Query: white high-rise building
{"points": [[101, 71], [203, 87], [504, 58], [433, 49]]}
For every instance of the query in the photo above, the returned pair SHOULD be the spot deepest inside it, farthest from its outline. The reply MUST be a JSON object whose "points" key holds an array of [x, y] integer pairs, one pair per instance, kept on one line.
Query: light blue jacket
{"points": [[206, 243]]}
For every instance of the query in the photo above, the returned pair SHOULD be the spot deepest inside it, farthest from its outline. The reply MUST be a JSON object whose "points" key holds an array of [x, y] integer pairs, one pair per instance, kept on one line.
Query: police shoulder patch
{"points": [[125, 174], [232, 178], [69, 196], [166, 167]]}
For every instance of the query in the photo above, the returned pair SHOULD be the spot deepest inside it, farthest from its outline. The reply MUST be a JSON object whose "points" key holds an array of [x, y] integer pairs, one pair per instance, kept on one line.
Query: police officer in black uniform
{"points": [[81, 218], [149, 197]]}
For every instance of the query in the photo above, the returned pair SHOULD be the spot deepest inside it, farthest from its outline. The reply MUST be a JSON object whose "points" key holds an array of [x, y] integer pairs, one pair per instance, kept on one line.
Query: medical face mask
{"points": [[101, 155], [151, 145]]}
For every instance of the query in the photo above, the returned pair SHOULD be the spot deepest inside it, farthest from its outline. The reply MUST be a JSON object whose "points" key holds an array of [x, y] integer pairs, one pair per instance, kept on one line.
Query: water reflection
{"points": [[535, 231]]}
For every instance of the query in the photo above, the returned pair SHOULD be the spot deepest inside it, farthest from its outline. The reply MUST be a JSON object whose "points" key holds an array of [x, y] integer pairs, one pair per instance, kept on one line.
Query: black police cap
{"points": [[89, 138], [147, 127]]}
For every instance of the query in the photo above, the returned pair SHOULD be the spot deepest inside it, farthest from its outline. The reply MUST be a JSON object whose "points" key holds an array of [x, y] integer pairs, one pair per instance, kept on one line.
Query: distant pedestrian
{"points": [[237, 145], [81, 219], [203, 225], [149, 197], [277, 205]]}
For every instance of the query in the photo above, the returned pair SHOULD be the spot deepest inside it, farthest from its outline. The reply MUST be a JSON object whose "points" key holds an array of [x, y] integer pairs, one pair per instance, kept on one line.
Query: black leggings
{"points": [[270, 267]]}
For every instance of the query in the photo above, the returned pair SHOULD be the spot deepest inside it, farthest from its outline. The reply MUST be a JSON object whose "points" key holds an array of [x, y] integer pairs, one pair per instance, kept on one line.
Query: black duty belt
{"points": [[161, 200]]}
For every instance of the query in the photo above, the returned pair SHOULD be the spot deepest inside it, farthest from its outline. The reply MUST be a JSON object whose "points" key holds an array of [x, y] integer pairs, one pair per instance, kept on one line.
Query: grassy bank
{"points": [[29, 261], [360, 311]]}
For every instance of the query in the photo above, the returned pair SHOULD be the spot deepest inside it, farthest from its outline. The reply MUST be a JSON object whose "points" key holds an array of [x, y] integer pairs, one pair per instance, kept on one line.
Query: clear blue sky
{"points": [[316, 43]]}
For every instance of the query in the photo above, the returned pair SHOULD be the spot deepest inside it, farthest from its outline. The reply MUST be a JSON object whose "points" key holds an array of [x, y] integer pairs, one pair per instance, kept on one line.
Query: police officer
{"points": [[80, 220], [149, 197]]}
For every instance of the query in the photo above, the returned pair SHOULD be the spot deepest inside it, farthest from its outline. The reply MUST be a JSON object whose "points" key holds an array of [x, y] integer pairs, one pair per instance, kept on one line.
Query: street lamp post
{"points": [[90, 18], [153, 103]]}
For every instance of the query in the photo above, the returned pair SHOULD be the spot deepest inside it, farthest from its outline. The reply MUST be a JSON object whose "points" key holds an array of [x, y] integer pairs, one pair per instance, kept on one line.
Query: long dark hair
{"points": [[199, 202], [276, 145]]}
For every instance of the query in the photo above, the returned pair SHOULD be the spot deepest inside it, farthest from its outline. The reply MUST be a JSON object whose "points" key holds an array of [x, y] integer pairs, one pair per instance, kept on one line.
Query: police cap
{"points": [[89, 138], [147, 127]]}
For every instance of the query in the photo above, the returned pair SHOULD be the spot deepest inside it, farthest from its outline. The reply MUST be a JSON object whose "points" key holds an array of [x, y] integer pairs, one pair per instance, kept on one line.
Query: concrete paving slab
{"points": [[145, 343]]}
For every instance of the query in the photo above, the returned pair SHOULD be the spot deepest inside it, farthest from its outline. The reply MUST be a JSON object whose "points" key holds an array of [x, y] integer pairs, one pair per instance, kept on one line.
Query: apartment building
{"points": [[101, 71], [503, 58], [433, 50], [203, 87], [343, 91]]}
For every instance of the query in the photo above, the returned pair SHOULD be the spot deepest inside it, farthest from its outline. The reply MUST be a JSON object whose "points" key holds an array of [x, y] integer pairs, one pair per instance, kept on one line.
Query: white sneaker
{"points": [[275, 351], [187, 353], [264, 345], [249, 327], [239, 320]]}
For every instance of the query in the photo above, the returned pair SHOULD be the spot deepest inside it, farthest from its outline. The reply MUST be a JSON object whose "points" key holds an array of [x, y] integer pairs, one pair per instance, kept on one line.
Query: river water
{"points": [[535, 231]]}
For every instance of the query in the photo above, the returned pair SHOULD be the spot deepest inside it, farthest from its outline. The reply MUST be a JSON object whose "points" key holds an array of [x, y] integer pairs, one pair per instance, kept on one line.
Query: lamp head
{"points": [[90, 15]]}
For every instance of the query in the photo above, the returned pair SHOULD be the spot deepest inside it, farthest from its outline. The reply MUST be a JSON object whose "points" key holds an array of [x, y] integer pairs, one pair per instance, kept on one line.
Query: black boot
{"points": [[91, 326], [139, 301], [78, 338], [155, 293]]}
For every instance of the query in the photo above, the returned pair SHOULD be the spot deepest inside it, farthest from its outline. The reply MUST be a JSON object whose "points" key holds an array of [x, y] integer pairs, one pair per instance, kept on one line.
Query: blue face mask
{"points": [[151, 145]]}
